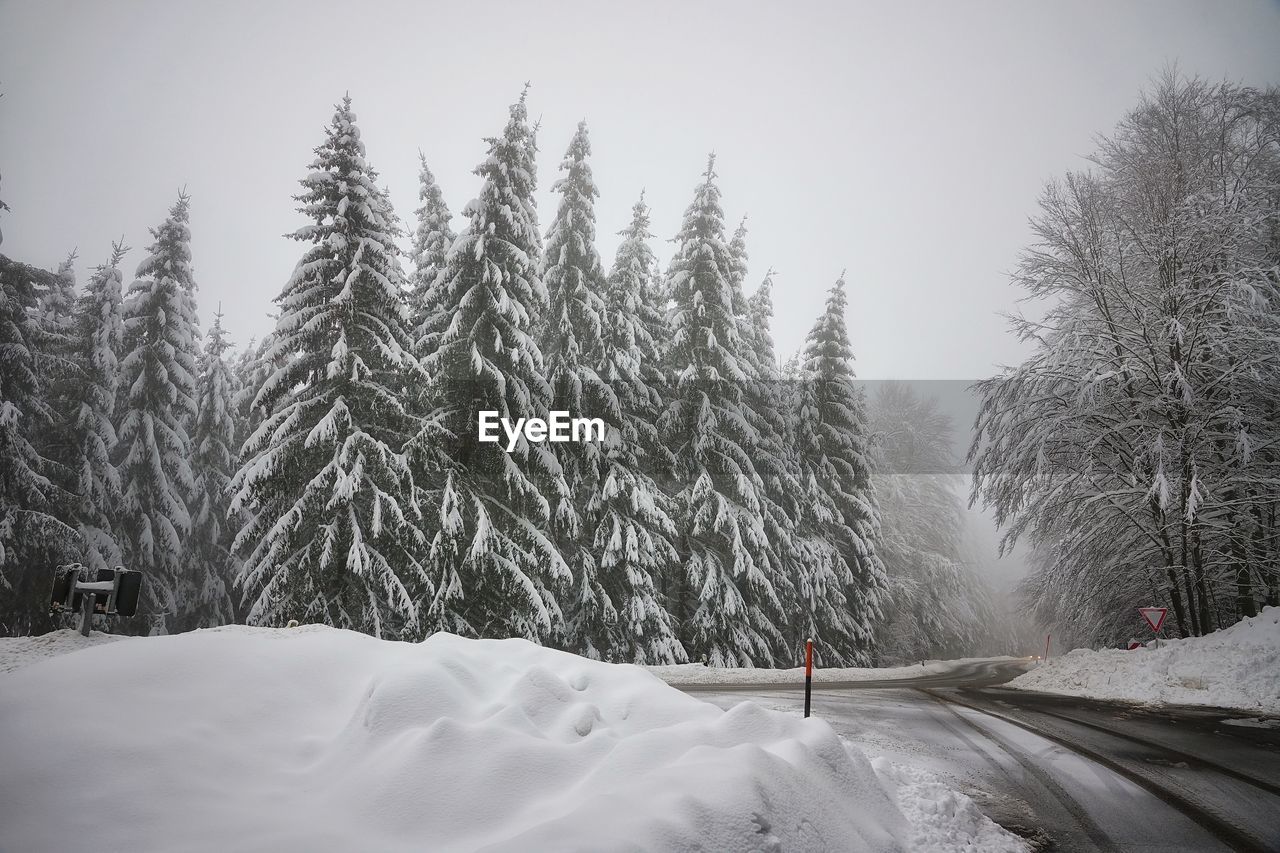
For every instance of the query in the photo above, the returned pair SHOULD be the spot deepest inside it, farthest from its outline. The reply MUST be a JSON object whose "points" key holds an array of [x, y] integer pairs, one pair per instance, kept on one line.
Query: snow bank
{"points": [[940, 818], [696, 673], [1237, 667], [315, 739], [17, 652]]}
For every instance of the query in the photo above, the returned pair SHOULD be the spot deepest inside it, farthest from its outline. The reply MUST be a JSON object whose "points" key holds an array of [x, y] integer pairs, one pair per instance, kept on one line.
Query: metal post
{"points": [[87, 600], [808, 674]]}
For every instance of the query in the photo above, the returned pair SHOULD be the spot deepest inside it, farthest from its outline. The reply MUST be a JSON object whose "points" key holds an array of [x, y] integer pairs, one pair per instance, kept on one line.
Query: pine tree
{"points": [[431, 243], [570, 342], [3, 207], [496, 571], [736, 612], [334, 532], [99, 329], [58, 301], [153, 453], [31, 533], [783, 503], [780, 499], [210, 565], [629, 517], [635, 271], [252, 369], [841, 590], [57, 349]]}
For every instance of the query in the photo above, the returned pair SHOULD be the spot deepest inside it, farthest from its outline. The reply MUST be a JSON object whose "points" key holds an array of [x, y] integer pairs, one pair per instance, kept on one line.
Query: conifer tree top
{"points": [[827, 353], [170, 253], [573, 275], [638, 227], [705, 340]]}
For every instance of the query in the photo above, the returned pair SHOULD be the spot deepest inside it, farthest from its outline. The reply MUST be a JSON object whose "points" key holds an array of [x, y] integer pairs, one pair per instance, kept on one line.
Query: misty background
{"points": [[906, 142]]}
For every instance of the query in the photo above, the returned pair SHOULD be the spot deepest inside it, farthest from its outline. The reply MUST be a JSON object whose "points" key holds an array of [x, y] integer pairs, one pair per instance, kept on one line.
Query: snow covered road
{"points": [[1077, 773]]}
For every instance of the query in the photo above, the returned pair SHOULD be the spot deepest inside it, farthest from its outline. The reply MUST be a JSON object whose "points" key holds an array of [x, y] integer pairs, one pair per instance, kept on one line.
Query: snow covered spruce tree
{"points": [[636, 282], [635, 279], [251, 370], [31, 532], [628, 519], [778, 463], [934, 606], [99, 328], [839, 599], [775, 461], [729, 611], [612, 534], [334, 534], [431, 243], [57, 352], [157, 387], [570, 342], [496, 571], [210, 567]]}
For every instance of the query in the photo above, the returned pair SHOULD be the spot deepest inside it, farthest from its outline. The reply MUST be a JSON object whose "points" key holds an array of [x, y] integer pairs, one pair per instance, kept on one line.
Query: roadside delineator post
{"points": [[808, 674], [1046, 645]]}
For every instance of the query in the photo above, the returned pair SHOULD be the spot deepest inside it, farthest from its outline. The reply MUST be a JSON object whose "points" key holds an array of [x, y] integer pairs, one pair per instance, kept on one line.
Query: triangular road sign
{"points": [[1154, 616]]}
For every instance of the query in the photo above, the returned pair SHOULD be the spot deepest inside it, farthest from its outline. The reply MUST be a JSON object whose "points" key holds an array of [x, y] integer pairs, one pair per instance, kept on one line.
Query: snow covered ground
{"points": [[696, 673], [1237, 667], [17, 652], [317, 739]]}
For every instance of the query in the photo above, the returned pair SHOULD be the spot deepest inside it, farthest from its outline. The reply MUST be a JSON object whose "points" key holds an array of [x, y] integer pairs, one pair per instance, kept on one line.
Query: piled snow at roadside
{"points": [[696, 673], [316, 739], [17, 652], [1237, 667], [940, 818]]}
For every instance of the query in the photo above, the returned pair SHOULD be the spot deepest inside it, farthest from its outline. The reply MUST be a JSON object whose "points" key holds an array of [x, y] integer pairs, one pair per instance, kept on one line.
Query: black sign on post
{"points": [[112, 592]]}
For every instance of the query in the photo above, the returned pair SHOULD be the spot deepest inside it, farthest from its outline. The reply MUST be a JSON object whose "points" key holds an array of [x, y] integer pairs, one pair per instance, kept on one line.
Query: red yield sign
{"points": [[1154, 616]]}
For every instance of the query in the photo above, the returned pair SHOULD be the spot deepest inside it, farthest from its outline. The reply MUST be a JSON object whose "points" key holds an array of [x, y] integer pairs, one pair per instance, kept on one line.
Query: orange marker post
{"points": [[808, 674]]}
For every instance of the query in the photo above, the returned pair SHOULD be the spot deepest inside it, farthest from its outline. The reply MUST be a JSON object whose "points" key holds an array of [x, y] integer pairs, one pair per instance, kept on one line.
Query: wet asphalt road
{"points": [[1068, 774]]}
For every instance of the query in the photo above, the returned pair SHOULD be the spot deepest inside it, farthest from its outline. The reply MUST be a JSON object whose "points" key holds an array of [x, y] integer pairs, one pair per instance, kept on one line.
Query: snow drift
{"points": [[317, 739], [1237, 667]]}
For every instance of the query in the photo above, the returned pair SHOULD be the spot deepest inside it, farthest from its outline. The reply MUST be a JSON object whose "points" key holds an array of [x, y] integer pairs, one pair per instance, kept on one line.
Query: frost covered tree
{"points": [[777, 462], [333, 532], [56, 357], [31, 533], [1136, 446], [57, 303], [153, 453], [3, 208], [613, 534], [841, 593], [570, 340], [251, 369], [935, 606], [635, 272], [210, 566], [495, 570], [728, 609], [630, 519], [99, 329], [431, 242]]}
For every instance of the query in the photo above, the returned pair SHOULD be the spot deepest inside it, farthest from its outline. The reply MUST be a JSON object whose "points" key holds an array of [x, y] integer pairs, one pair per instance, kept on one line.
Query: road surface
{"points": [[1067, 774]]}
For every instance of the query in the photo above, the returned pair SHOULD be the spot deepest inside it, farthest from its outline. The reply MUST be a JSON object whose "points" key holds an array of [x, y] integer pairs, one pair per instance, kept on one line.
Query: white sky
{"points": [[906, 141]]}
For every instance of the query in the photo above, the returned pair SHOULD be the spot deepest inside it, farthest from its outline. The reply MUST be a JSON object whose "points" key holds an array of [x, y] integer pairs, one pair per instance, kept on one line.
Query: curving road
{"points": [[1068, 774]]}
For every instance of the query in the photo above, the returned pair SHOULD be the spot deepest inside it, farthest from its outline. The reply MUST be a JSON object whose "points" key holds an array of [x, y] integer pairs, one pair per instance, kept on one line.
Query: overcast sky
{"points": [[905, 141]]}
